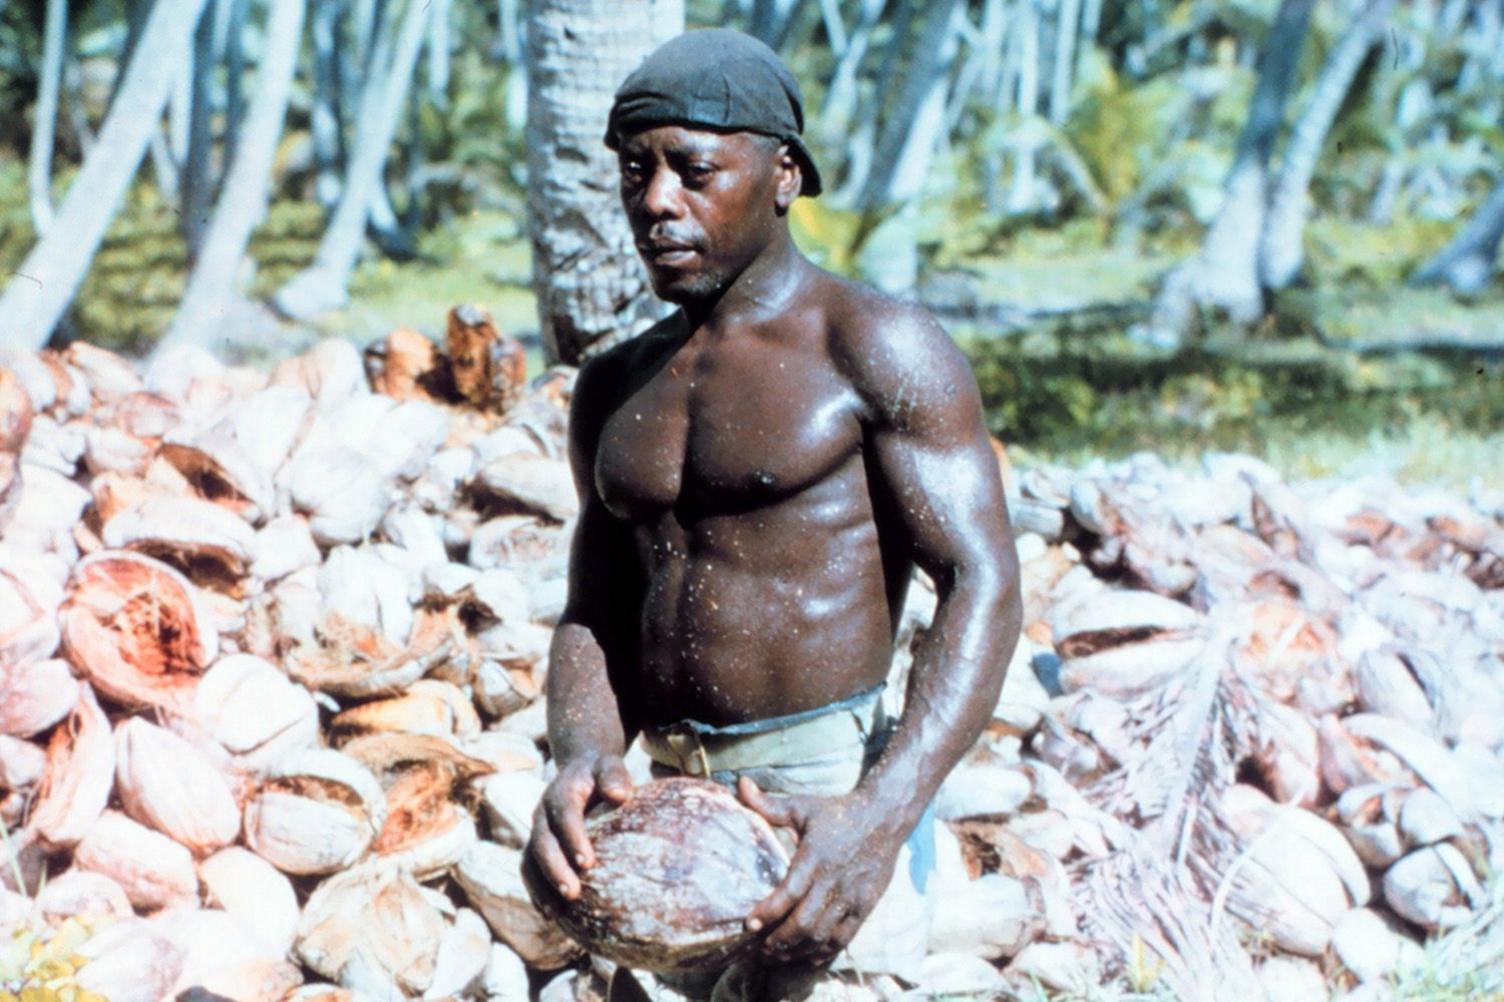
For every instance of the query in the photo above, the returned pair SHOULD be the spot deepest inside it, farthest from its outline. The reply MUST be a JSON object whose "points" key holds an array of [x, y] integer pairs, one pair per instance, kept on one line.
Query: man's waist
{"points": [[700, 749]]}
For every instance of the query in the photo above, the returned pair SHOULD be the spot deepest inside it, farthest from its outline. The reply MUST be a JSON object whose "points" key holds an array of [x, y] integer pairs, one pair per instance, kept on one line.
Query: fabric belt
{"points": [[698, 749]]}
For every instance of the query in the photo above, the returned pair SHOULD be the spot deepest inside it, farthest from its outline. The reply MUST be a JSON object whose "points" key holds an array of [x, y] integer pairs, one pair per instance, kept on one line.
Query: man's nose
{"points": [[661, 198]]}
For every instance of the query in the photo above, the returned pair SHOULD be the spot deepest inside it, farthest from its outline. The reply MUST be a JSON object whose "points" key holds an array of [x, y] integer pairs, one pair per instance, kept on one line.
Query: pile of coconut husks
{"points": [[272, 646]]}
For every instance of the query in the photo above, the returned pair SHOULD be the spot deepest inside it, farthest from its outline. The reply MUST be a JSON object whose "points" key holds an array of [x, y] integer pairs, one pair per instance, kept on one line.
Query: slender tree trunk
{"points": [[242, 203], [970, 74], [1282, 250], [179, 106], [323, 285], [163, 167], [234, 79], [863, 136], [514, 50], [326, 120], [1091, 20], [912, 125], [78, 115], [198, 184], [365, 21], [383, 225], [39, 161], [994, 34], [1386, 194], [835, 27], [1066, 30], [44, 284], [509, 19], [135, 22], [1021, 193], [841, 95], [1467, 263], [591, 287], [438, 54], [890, 253], [415, 166], [772, 20], [1224, 274]]}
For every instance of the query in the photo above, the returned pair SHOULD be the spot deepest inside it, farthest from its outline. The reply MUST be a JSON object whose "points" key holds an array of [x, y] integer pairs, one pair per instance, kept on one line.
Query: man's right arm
{"points": [[587, 732]]}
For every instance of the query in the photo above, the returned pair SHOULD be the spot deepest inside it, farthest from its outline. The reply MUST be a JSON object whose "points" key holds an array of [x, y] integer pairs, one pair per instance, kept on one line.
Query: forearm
{"points": [[954, 684], [584, 715]]}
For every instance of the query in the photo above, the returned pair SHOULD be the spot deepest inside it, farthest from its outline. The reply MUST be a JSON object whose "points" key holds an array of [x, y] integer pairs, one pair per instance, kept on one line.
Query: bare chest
{"points": [[725, 429]]}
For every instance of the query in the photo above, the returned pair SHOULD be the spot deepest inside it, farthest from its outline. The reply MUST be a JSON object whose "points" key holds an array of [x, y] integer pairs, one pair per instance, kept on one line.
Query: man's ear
{"points": [[790, 179]]}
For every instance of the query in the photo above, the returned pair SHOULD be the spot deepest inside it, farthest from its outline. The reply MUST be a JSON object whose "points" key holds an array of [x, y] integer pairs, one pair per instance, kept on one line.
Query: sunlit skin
{"points": [[759, 475]]}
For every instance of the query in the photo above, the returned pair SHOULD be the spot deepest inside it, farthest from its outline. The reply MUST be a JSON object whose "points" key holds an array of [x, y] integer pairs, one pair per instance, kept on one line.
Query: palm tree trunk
{"points": [[514, 51], [77, 111], [234, 78], [835, 27], [198, 185], [772, 20], [44, 284], [136, 12], [1224, 274], [1091, 20], [841, 95], [1467, 263], [39, 160], [911, 128], [509, 19], [438, 54], [179, 106], [242, 203], [326, 120], [862, 137], [1282, 250], [323, 285], [889, 255], [1021, 195], [591, 287], [1066, 29]]}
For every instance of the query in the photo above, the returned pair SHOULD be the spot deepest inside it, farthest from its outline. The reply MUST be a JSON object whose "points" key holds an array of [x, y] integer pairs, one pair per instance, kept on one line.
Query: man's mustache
{"points": [[666, 241]]}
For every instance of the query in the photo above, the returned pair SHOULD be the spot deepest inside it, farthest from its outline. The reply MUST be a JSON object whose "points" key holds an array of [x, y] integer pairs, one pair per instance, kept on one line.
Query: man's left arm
{"points": [[934, 462]]}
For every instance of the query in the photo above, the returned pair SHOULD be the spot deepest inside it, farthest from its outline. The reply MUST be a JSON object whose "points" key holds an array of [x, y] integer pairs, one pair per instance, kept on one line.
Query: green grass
{"points": [[1310, 410]]}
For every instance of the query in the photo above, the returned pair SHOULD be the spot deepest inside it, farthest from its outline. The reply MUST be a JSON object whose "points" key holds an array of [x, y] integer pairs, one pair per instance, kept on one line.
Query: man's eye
{"points": [[699, 172], [632, 170]]}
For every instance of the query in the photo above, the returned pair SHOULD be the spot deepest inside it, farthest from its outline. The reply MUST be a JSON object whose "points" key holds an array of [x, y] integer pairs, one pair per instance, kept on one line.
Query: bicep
{"points": [[934, 457]]}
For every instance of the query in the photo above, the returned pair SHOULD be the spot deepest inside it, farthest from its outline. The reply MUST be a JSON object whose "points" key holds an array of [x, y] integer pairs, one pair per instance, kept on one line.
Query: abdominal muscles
{"points": [[766, 612]]}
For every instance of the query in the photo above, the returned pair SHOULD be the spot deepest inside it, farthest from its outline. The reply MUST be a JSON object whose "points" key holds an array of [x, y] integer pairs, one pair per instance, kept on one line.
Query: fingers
{"points": [[781, 812], [807, 932], [564, 805], [549, 857], [612, 780], [777, 905]]}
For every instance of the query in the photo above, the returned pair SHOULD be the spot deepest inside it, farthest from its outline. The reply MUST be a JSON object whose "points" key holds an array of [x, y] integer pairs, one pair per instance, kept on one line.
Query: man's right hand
{"points": [[559, 847]]}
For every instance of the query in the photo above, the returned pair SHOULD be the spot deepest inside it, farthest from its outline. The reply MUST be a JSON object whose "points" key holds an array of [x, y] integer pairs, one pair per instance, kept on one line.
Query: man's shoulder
{"points": [[881, 341]]}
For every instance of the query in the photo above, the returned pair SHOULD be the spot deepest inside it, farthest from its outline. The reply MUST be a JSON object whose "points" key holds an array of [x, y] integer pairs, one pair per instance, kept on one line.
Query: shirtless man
{"points": [[759, 476]]}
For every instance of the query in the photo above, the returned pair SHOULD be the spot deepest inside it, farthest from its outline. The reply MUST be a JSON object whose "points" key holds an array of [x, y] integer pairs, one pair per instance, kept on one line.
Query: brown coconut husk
{"points": [[137, 630]]}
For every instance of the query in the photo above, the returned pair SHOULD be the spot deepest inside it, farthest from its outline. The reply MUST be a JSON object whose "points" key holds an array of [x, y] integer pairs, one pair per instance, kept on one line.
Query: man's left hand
{"points": [[841, 867]]}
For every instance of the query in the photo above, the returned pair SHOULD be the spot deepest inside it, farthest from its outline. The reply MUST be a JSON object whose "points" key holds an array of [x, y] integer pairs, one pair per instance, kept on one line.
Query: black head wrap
{"points": [[719, 79]]}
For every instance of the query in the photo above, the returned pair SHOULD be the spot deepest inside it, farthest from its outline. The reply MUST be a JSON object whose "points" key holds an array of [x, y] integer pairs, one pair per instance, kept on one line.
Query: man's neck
{"points": [[764, 288]]}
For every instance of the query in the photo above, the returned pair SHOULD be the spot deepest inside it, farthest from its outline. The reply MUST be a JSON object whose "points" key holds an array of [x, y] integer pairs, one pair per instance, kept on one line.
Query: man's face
{"points": [[702, 205]]}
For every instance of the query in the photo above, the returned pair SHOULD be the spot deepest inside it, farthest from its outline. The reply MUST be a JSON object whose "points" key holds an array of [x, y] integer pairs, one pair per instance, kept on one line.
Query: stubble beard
{"points": [[691, 290]]}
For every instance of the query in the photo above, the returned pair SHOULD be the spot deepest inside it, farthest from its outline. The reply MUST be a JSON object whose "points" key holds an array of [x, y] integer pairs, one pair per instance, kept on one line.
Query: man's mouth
{"points": [[667, 252]]}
